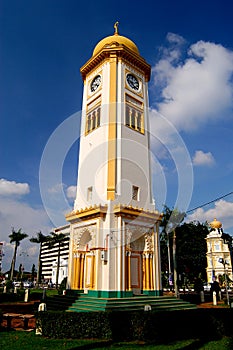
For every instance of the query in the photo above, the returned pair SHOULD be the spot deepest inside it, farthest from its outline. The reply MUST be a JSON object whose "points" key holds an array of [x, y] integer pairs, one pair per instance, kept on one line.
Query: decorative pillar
{"points": [[128, 271], [81, 280], [147, 272], [151, 272]]}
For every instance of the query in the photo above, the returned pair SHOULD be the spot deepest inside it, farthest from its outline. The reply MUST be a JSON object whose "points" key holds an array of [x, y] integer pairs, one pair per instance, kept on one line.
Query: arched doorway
{"points": [[139, 261], [81, 262]]}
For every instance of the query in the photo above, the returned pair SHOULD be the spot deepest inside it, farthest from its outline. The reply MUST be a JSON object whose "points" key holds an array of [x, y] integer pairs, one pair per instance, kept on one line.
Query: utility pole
{"points": [[169, 259], [175, 265]]}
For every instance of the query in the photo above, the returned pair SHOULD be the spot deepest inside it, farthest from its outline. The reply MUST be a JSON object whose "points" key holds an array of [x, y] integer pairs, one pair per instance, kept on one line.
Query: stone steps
{"points": [[59, 302], [86, 303]]}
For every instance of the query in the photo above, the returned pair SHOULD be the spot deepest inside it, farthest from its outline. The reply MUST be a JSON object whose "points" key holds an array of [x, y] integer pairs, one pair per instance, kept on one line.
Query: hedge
{"points": [[74, 325], [146, 326], [12, 297]]}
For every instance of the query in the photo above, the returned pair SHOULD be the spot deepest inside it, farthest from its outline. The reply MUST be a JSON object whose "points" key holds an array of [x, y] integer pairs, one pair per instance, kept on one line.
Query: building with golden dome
{"points": [[218, 253]]}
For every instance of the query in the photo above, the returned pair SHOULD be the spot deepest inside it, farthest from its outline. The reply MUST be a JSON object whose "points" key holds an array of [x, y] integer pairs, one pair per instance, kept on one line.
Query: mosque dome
{"points": [[215, 224], [115, 40]]}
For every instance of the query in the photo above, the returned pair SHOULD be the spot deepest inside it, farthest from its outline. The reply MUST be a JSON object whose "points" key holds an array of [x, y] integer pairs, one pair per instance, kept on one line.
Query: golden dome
{"points": [[215, 224], [115, 40]]}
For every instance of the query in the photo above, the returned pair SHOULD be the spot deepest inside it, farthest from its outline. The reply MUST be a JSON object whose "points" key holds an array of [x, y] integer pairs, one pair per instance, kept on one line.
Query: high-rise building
{"points": [[49, 256], [1, 255]]}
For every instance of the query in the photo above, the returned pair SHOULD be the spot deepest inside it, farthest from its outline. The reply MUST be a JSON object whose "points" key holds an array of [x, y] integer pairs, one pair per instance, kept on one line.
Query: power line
{"points": [[214, 200]]}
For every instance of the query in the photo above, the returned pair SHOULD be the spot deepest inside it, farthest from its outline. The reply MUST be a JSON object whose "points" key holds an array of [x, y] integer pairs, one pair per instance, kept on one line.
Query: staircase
{"points": [[86, 303], [60, 302]]}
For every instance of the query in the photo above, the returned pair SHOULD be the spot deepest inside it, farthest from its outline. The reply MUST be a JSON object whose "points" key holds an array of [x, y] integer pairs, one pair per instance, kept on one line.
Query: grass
{"points": [[19, 340], [49, 292]]}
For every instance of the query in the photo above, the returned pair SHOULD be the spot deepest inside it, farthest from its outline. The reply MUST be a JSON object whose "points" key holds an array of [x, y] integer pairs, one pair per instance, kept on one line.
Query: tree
{"points": [[170, 221], [15, 237], [59, 240], [229, 241], [191, 250], [40, 239], [20, 272], [33, 271]]}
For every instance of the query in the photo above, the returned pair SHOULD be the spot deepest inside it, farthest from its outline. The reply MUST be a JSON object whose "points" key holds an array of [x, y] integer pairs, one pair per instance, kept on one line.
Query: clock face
{"points": [[132, 81], [95, 83]]}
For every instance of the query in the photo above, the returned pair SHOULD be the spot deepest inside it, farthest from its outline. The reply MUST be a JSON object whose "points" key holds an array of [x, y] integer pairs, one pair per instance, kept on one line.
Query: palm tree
{"points": [[40, 239], [15, 237], [59, 240]]}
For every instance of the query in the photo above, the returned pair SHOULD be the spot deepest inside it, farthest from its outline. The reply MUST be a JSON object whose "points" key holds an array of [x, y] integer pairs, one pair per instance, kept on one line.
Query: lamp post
{"points": [[169, 261], [175, 265], [224, 262]]}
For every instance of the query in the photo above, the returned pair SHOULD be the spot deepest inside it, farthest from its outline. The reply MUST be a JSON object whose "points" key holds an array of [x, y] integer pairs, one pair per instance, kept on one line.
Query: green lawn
{"points": [[18, 340], [21, 292], [49, 292]]}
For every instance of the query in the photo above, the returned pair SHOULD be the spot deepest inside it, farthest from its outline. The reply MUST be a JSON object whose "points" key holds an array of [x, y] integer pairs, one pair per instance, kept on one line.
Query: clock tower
{"points": [[114, 242]]}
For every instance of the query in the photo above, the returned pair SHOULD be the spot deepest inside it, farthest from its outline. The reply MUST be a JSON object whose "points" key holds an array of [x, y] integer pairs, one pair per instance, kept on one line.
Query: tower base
{"points": [[88, 302]]}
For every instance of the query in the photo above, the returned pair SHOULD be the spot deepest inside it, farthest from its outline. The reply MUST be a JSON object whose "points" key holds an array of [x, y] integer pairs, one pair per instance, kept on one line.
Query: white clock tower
{"points": [[114, 245]]}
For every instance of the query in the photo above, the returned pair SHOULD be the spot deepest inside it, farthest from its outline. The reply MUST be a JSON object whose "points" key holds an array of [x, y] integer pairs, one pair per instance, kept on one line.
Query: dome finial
{"points": [[116, 28], [215, 224]]}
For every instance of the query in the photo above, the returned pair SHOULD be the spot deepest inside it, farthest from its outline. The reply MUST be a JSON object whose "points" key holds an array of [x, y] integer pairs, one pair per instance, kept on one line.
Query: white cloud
{"points": [[196, 89], [175, 38], [57, 188], [71, 192], [17, 214], [222, 211], [9, 188], [201, 158]]}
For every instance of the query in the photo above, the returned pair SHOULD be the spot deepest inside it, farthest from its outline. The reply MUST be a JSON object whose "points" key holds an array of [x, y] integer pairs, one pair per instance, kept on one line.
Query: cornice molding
{"points": [[121, 52], [95, 211], [136, 212]]}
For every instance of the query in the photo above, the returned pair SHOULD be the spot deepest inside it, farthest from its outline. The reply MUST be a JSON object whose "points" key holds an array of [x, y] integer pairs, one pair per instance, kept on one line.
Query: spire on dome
{"points": [[114, 41], [116, 24]]}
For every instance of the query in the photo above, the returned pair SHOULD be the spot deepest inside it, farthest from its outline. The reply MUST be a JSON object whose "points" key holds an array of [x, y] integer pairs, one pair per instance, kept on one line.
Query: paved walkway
{"points": [[209, 305]]}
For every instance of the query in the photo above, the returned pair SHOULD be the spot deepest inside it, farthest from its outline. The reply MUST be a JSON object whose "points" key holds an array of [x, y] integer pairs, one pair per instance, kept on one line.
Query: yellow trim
{"points": [[90, 269], [96, 102], [78, 271], [75, 277], [143, 272], [147, 273], [94, 94], [123, 53], [93, 272], [127, 87], [134, 101], [87, 212], [129, 272], [111, 182], [82, 258], [130, 125], [126, 272], [138, 271], [151, 273], [135, 211], [73, 283], [95, 111]]}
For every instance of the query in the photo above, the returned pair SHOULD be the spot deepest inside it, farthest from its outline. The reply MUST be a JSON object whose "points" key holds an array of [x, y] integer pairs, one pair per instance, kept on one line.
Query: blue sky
{"points": [[43, 44]]}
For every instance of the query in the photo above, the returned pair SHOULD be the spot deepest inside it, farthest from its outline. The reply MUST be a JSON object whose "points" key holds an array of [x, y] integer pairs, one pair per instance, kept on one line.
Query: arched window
{"points": [[93, 120], [134, 118]]}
